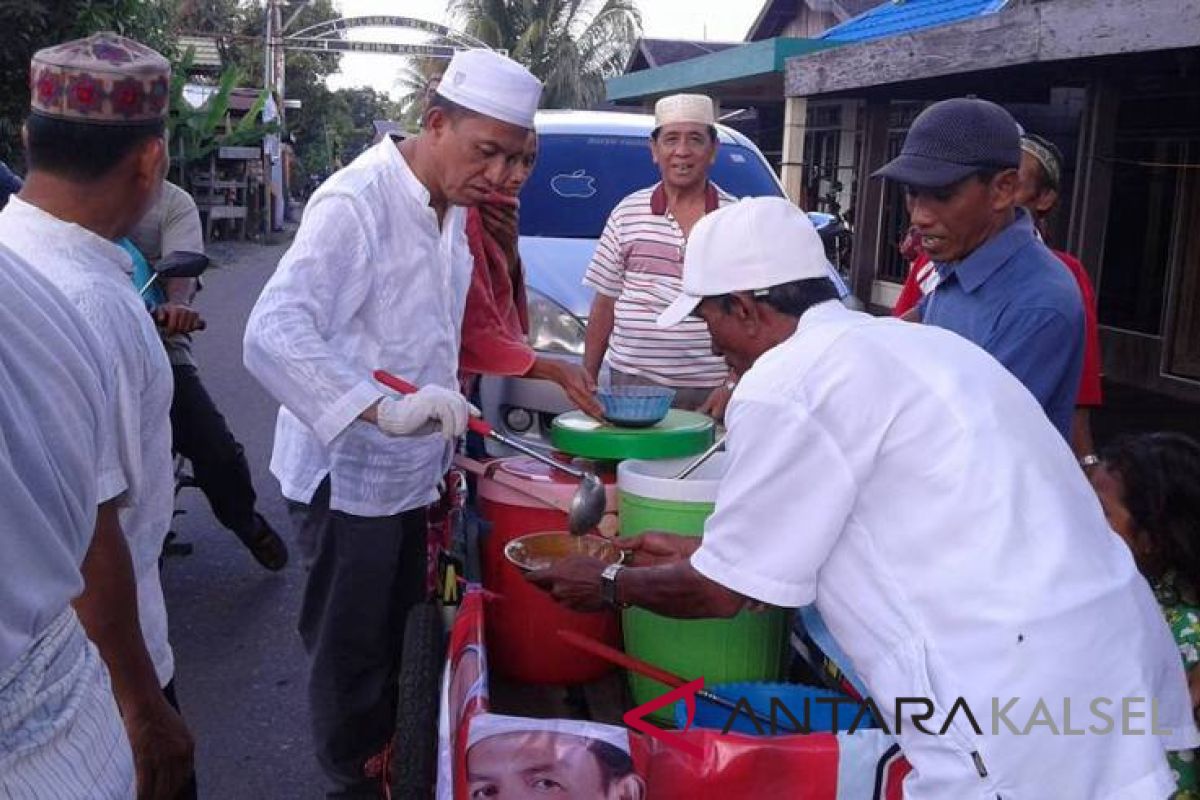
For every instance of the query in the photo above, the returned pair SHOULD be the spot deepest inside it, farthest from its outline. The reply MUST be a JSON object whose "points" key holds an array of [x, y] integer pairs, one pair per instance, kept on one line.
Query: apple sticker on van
{"points": [[575, 184]]}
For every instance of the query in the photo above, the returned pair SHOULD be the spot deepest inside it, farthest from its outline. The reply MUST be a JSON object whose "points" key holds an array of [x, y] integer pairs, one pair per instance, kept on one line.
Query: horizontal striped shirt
{"points": [[639, 261]]}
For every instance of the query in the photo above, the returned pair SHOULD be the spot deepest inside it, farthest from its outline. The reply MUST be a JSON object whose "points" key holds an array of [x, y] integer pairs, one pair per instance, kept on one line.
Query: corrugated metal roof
{"points": [[207, 53], [906, 16]]}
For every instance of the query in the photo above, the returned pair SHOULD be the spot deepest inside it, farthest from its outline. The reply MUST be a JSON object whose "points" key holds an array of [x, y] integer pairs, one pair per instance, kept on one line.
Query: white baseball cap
{"points": [[697, 108], [753, 244], [488, 83]]}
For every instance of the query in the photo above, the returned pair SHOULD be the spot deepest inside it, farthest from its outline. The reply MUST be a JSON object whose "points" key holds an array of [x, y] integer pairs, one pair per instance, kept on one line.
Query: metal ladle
{"points": [[588, 502], [699, 460]]}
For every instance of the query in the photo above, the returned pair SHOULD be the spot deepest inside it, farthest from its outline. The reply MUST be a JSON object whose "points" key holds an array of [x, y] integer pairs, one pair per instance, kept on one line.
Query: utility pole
{"points": [[280, 65], [274, 64]]}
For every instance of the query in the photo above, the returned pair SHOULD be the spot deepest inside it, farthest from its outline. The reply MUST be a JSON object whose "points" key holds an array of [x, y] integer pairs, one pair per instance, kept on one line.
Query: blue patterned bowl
{"points": [[636, 406]]}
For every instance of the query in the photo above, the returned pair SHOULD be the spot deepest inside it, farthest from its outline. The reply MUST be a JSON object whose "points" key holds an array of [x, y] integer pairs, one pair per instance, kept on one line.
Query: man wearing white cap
{"points": [[996, 582], [638, 266], [376, 279]]}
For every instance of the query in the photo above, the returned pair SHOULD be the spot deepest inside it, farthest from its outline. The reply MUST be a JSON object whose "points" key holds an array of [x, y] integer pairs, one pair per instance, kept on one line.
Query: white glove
{"points": [[431, 409]]}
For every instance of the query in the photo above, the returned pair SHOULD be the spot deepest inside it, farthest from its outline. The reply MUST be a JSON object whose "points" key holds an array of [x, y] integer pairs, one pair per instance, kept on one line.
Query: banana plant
{"points": [[197, 133]]}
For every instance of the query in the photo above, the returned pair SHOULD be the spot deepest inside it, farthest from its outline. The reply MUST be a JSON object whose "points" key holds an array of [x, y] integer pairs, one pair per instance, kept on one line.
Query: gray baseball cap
{"points": [[953, 139]]}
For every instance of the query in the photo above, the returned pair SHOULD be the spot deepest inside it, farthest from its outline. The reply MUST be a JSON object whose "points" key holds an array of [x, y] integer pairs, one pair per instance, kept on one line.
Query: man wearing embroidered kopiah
{"points": [[638, 266], [96, 154], [377, 279]]}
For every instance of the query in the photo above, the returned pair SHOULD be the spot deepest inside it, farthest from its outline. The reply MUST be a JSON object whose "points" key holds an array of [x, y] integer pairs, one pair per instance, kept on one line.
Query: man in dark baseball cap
{"points": [[998, 286], [953, 140]]}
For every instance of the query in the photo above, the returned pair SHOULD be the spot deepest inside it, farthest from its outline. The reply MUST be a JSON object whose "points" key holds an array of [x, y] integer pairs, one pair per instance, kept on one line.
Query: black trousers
{"points": [[364, 574], [218, 461]]}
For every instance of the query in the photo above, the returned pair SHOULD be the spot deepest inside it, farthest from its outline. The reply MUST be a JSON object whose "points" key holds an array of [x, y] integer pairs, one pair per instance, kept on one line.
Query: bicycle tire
{"points": [[415, 744]]}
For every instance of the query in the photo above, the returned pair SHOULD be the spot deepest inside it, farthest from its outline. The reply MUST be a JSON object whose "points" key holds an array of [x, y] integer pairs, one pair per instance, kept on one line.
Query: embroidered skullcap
{"points": [[490, 84], [104, 79], [1045, 153], [697, 108]]}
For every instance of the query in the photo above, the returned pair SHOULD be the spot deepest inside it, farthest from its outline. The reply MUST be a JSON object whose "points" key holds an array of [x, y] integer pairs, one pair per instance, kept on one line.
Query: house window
{"points": [[892, 267], [824, 180], [1138, 241]]}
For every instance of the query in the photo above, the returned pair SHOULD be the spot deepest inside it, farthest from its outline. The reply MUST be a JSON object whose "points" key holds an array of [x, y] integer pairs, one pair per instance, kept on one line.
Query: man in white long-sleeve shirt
{"points": [[377, 279]]}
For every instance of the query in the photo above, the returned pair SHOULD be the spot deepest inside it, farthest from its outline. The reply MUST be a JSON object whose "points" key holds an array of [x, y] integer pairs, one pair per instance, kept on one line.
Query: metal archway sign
{"points": [[329, 36]]}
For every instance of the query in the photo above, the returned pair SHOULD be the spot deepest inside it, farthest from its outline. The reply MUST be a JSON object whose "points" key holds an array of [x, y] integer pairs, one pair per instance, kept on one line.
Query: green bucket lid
{"points": [[680, 434]]}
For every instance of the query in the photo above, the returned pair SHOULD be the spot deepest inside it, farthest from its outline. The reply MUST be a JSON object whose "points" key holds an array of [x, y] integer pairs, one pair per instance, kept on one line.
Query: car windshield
{"points": [[580, 178]]}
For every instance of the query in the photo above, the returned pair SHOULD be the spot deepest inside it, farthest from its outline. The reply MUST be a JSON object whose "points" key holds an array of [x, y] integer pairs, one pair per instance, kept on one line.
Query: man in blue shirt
{"points": [[999, 286]]}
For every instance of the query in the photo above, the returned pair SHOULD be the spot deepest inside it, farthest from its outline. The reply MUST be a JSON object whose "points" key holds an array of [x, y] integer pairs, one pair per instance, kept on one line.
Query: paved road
{"points": [[240, 668]]}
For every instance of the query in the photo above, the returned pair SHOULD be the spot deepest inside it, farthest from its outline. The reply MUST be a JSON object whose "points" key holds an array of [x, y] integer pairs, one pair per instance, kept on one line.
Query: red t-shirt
{"points": [[1090, 393], [912, 293]]}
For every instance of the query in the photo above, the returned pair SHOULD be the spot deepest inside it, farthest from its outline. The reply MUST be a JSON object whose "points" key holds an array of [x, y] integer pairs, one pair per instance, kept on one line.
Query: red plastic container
{"points": [[521, 622]]}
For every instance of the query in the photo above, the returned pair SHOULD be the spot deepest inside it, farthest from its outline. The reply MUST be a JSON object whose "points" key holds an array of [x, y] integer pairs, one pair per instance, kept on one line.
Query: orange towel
{"points": [[495, 320]]}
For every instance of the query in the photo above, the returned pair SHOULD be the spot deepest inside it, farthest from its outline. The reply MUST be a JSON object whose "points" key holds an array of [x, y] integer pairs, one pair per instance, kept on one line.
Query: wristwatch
{"points": [[608, 585], [1089, 461]]}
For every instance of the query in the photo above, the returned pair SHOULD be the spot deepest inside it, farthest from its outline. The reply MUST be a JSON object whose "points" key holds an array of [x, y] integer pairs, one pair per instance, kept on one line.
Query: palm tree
{"points": [[571, 45], [412, 81]]}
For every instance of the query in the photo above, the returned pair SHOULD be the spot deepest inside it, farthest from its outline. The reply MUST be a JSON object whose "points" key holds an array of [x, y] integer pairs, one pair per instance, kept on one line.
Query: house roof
{"points": [[776, 14], [905, 16], [651, 53], [773, 18], [387, 127], [749, 71], [206, 52], [1024, 34]]}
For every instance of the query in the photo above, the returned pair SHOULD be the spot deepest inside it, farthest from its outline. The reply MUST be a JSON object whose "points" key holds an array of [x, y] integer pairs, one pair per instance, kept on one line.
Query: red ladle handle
{"points": [[654, 673], [404, 387], [624, 660]]}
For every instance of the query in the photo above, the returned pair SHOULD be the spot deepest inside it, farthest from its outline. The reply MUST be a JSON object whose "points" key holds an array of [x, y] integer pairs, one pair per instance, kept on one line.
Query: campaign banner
{"points": [[486, 755]]}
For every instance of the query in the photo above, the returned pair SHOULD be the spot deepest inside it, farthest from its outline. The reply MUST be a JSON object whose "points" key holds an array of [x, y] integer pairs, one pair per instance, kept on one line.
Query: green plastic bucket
{"points": [[748, 647]]}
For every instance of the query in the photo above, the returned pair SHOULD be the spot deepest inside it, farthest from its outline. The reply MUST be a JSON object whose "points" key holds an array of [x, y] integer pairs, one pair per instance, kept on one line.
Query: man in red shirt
{"points": [[1040, 175]]}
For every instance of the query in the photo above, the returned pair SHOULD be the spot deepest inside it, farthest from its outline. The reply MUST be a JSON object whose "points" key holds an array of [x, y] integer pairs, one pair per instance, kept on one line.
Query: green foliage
{"points": [[571, 45], [330, 128], [195, 133], [30, 25], [412, 79], [150, 23]]}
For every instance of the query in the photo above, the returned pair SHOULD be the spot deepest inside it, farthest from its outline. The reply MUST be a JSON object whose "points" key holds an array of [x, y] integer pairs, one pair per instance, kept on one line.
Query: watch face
{"points": [[608, 583]]}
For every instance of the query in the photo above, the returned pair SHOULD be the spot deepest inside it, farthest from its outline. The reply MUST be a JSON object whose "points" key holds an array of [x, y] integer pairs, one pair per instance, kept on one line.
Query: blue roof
{"points": [[906, 16]]}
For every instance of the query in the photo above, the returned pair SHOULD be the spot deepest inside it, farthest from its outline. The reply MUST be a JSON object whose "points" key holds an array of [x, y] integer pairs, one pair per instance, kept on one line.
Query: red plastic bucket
{"points": [[521, 622]]}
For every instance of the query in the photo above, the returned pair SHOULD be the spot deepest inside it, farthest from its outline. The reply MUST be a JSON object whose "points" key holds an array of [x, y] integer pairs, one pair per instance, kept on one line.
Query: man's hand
{"points": [[574, 380], [717, 402], [107, 608], [574, 582], [430, 409], [176, 318], [651, 549], [502, 222], [162, 750]]}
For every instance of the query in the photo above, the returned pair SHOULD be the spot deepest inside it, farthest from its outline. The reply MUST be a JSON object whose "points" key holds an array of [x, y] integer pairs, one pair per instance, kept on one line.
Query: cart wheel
{"points": [[414, 753]]}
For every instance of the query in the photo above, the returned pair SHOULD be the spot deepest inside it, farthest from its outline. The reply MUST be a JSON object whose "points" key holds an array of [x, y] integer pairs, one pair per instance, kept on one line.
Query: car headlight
{"points": [[552, 328]]}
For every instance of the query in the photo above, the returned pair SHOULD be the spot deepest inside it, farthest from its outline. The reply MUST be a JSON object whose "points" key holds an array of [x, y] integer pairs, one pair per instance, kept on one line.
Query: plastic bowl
{"points": [[809, 705], [636, 406], [541, 550]]}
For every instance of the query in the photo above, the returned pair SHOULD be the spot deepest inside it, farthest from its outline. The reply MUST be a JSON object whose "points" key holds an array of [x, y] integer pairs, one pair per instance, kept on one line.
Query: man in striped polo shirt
{"points": [[638, 267]]}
